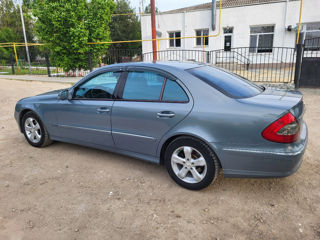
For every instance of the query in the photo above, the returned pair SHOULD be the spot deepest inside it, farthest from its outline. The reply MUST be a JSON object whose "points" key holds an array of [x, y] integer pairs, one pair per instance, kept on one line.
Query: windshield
{"points": [[228, 83]]}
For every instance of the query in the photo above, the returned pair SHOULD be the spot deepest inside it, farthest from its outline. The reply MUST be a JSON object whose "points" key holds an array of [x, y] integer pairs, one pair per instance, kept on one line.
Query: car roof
{"points": [[165, 65]]}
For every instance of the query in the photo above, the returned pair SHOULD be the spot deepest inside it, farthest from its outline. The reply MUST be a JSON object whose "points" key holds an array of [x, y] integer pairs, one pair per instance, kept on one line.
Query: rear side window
{"points": [[173, 92], [143, 86], [228, 83]]}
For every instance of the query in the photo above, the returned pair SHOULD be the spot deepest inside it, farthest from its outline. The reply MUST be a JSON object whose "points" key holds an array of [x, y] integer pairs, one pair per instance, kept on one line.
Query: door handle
{"points": [[165, 114], [103, 110]]}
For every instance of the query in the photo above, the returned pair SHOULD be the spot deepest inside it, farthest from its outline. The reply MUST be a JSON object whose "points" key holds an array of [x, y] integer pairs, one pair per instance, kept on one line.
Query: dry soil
{"points": [[66, 191]]}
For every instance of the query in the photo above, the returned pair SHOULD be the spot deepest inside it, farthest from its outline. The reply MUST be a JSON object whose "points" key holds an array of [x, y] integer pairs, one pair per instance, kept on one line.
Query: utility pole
{"points": [[154, 33], [142, 6], [25, 37]]}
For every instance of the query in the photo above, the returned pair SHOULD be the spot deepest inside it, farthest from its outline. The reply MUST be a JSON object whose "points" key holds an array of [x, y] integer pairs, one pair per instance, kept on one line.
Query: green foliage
{"points": [[126, 27], [6, 35], [11, 27], [99, 17], [66, 26], [10, 17], [28, 3]]}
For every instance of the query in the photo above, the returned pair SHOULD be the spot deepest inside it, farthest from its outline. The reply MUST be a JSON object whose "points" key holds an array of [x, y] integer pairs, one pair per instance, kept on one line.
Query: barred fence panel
{"points": [[122, 55], [266, 65], [272, 65], [177, 55], [38, 62]]}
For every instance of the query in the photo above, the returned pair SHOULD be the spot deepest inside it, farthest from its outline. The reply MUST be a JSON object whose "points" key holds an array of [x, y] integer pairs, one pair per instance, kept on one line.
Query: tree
{"points": [[125, 27], [28, 3], [11, 27], [6, 35], [67, 26], [10, 17]]}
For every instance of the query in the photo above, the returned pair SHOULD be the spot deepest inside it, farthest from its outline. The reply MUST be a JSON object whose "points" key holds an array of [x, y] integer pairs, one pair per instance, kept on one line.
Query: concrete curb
{"points": [[41, 78]]}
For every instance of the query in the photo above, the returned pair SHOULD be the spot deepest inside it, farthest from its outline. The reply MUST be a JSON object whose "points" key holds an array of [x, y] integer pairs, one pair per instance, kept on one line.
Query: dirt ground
{"points": [[66, 191]]}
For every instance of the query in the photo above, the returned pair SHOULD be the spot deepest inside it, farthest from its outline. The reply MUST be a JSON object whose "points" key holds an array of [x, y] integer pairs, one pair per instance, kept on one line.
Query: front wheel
{"points": [[191, 163], [34, 130]]}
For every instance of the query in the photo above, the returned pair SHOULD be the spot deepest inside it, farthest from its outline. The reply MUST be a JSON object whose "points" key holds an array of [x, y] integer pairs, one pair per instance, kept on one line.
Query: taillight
{"points": [[284, 130]]}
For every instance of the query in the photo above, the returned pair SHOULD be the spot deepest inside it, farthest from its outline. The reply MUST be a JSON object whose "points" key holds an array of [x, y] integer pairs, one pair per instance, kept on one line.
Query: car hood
{"points": [[276, 98], [51, 92], [43, 96]]}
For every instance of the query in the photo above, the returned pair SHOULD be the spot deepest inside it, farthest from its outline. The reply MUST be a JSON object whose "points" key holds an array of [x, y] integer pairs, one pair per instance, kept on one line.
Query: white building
{"points": [[244, 23]]}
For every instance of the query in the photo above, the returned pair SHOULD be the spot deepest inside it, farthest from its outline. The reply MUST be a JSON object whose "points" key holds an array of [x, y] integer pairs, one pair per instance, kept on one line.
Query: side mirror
{"points": [[70, 94], [63, 95]]}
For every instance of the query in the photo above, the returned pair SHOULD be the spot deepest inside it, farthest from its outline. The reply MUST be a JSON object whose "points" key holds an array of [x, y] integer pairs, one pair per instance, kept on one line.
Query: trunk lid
{"points": [[284, 100]]}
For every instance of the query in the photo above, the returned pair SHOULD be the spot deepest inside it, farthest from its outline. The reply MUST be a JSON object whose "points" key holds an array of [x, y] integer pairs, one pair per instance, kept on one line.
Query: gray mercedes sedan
{"points": [[193, 118]]}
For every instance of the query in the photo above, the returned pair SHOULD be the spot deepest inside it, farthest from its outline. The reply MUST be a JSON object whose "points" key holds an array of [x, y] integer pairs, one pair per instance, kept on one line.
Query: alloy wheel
{"points": [[32, 129], [188, 164]]}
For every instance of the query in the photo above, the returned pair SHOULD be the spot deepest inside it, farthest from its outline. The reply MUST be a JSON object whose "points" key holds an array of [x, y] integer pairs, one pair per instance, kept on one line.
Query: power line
{"points": [[126, 14]]}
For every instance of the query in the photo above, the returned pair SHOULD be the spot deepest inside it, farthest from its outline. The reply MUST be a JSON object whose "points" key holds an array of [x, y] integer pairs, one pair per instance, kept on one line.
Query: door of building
{"points": [[310, 66], [227, 42]]}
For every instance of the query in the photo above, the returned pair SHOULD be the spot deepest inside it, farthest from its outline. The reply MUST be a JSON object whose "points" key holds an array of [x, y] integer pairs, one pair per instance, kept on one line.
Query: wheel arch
{"points": [[172, 138], [24, 112]]}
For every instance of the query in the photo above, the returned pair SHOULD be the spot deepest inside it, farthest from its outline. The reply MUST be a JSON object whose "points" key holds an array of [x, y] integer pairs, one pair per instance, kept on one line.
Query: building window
{"points": [[228, 30], [199, 40], [311, 33], [173, 41], [261, 39]]}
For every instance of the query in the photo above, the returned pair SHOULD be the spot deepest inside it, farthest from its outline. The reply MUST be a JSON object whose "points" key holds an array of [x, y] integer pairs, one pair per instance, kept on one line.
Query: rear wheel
{"points": [[34, 130], [191, 163]]}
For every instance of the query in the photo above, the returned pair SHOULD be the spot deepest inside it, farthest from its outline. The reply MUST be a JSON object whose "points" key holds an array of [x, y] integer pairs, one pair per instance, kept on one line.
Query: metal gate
{"points": [[310, 65]]}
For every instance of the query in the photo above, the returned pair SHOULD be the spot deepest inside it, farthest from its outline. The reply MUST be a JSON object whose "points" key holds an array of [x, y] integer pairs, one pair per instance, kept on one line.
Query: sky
{"points": [[164, 5]]}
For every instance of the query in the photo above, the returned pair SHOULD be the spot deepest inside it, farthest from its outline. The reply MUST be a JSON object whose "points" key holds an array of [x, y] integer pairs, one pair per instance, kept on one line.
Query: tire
{"points": [[34, 130], [191, 163]]}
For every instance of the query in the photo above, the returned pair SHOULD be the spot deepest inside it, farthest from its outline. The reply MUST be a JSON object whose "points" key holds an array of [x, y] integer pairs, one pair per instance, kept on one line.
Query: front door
{"points": [[87, 117], [151, 104]]}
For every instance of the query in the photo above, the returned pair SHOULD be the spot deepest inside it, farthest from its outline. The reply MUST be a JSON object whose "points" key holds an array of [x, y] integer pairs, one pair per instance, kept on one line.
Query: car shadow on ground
{"points": [[159, 174]]}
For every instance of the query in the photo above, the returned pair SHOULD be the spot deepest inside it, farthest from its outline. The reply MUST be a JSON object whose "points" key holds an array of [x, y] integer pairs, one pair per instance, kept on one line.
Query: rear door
{"points": [[150, 104]]}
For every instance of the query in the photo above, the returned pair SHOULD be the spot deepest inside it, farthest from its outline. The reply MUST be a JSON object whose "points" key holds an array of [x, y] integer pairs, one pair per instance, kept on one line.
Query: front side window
{"points": [[175, 40], [143, 86], [201, 33], [261, 39], [226, 82], [100, 86]]}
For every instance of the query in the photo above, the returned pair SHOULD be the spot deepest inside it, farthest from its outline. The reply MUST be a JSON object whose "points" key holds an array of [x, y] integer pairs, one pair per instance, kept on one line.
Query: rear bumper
{"points": [[280, 161]]}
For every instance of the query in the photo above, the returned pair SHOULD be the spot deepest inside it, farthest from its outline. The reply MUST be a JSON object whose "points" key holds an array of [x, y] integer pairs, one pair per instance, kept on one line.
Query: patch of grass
{"points": [[6, 70]]}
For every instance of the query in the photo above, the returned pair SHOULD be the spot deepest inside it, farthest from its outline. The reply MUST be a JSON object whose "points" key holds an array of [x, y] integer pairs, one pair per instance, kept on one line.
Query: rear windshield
{"points": [[228, 83]]}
